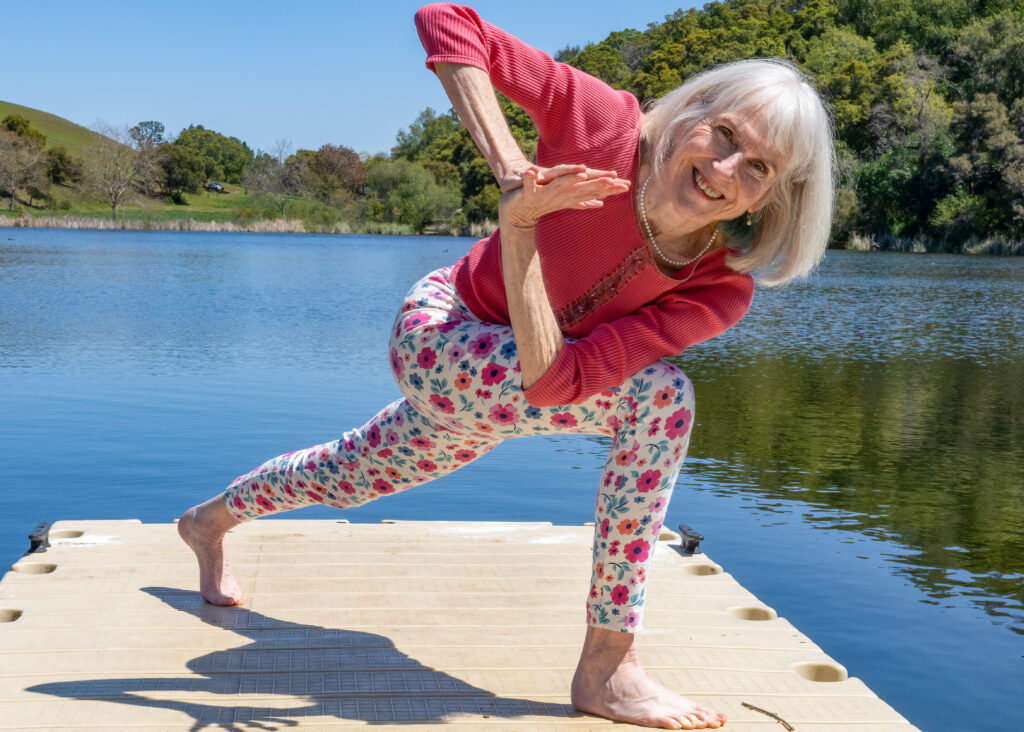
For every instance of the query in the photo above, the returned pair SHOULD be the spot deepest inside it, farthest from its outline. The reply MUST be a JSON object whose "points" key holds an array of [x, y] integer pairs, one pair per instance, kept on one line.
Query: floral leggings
{"points": [[460, 378]]}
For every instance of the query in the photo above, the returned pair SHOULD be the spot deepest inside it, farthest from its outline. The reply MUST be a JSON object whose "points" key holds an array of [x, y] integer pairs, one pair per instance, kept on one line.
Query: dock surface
{"points": [[404, 625]]}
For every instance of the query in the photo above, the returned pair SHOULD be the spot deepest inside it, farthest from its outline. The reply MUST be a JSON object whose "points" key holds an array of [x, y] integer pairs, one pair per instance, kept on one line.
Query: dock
{"points": [[400, 625]]}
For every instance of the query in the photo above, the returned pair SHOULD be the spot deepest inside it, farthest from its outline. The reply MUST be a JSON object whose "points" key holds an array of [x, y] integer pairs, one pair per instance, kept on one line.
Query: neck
{"points": [[678, 243]]}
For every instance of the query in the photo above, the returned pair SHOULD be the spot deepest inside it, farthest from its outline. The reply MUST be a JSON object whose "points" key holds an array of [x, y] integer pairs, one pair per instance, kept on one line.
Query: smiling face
{"points": [[720, 170]]}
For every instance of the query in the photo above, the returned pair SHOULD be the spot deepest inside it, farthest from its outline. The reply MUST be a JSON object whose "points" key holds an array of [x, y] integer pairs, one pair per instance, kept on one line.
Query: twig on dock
{"points": [[773, 715]]}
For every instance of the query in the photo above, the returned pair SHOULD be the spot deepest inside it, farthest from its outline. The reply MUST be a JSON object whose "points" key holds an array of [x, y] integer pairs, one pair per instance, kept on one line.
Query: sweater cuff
{"points": [[555, 387]]}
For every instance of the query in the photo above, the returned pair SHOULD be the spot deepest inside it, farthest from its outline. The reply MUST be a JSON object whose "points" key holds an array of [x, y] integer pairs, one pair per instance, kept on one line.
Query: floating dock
{"points": [[404, 625]]}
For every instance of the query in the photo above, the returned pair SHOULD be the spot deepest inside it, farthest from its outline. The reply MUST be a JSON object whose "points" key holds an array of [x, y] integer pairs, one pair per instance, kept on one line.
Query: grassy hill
{"points": [[58, 130]]}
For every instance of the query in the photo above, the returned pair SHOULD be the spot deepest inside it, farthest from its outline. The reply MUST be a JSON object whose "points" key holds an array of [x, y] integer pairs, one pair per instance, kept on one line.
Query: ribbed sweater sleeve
{"points": [[616, 350], [573, 111]]}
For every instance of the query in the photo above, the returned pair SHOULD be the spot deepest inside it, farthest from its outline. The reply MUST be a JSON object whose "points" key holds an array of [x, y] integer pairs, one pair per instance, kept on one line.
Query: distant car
{"points": [[215, 187]]}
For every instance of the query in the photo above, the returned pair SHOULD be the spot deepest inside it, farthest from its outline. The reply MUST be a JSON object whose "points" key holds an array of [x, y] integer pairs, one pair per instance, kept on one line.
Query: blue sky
{"points": [[311, 71]]}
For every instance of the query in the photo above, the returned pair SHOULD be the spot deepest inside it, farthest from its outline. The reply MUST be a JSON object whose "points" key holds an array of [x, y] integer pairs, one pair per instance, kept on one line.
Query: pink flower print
{"points": [[631, 620], [483, 393], [427, 465], [423, 443], [239, 503], [613, 548], [637, 551], [593, 591], [678, 424], [504, 414], [391, 437], [492, 374], [448, 326], [648, 480], [416, 320], [658, 506], [604, 529], [346, 487], [482, 345], [397, 365], [655, 427], [315, 496], [426, 358], [289, 490], [399, 419], [443, 403], [373, 436], [656, 528], [382, 486], [614, 423], [455, 354], [563, 419], [620, 594], [664, 397], [464, 456]]}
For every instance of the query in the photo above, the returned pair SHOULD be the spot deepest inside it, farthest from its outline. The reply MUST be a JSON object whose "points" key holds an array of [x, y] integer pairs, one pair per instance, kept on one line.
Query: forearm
{"points": [[471, 94], [538, 338]]}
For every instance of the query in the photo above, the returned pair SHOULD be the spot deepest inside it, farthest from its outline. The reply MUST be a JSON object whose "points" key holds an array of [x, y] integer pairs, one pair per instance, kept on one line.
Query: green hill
{"points": [[58, 130]]}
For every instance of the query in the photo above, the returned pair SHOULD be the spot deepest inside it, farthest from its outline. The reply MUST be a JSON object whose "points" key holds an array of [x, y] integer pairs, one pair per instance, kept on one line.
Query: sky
{"points": [[309, 71]]}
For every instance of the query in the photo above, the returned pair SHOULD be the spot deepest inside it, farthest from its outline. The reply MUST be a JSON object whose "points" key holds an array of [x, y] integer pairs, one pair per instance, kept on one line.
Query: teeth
{"points": [[704, 185]]}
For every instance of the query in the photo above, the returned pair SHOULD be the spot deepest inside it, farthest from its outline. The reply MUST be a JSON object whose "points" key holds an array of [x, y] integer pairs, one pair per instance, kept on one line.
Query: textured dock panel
{"points": [[409, 625]]}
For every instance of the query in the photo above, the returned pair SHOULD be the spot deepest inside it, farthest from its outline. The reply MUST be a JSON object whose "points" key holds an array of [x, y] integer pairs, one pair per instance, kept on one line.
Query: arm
{"points": [[573, 111], [472, 96], [538, 337], [613, 351]]}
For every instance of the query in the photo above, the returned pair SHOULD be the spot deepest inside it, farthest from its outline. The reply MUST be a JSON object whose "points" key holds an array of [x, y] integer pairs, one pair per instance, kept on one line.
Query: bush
{"points": [[314, 215]]}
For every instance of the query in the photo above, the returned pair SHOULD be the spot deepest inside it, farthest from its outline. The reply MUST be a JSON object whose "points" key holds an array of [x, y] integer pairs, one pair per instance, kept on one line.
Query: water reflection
{"points": [[892, 390]]}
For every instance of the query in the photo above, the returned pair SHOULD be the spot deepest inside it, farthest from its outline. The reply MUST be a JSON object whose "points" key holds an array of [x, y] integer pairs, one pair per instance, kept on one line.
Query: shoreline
{"points": [[993, 246]]}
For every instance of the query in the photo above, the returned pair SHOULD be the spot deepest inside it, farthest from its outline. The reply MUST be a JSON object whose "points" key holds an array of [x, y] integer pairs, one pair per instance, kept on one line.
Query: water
{"points": [[856, 462]]}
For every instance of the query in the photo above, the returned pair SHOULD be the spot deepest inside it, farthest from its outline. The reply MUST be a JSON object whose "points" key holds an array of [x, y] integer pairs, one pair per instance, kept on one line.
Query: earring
{"points": [[749, 221]]}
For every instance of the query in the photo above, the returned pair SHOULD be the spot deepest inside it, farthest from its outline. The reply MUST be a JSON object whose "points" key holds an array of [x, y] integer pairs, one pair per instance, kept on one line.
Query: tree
{"points": [[21, 163], [148, 140], [61, 167], [21, 127], [111, 169], [183, 170], [275, 177], [224, 158], [409, 194], [333, 168]]}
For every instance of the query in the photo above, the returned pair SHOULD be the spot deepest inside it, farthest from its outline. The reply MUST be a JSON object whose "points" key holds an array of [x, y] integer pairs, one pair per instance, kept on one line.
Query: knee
{"points": [[671, 401]]}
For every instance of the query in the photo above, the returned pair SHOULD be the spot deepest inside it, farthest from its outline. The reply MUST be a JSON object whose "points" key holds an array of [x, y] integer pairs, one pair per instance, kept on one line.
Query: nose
{"points": [[729, 165]]}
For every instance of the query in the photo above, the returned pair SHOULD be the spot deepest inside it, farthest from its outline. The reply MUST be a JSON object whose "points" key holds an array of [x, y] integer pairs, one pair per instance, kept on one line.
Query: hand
{"points": [[544, 190]]}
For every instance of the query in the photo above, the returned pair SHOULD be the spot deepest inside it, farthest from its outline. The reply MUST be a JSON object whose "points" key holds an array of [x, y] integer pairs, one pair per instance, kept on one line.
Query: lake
{"points": [[857, 461]]}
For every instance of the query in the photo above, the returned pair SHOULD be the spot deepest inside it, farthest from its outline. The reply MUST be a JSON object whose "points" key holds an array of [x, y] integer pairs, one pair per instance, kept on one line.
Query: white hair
{"points": [[794, 225]]}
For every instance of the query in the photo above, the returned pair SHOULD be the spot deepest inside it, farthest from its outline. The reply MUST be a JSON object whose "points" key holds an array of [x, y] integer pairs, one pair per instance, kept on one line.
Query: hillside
{"points": [[58, 130]]}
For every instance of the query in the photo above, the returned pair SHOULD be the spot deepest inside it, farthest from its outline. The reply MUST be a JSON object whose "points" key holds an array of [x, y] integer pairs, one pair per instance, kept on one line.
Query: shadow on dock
{"points": [[345, 674]]}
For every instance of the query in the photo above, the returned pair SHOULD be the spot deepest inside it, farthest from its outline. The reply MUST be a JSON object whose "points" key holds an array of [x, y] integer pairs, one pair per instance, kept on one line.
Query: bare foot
{"points": [[203, 527], [611, 683]]}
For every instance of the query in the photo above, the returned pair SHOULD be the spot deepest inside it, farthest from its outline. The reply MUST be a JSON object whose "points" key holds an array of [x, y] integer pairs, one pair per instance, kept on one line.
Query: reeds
{"points": [[920, 245], [276, 226]]}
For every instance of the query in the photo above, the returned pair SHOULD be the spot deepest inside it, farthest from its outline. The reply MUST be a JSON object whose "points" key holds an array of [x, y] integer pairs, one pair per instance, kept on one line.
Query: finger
{"points": [[546, 175]]}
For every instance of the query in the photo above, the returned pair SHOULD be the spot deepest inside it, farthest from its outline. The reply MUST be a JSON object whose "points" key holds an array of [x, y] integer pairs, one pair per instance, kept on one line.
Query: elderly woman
{"points": [[560, 320]]}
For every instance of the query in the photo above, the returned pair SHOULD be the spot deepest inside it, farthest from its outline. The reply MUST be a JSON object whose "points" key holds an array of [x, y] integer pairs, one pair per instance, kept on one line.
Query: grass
{"points": [[58, 130]]}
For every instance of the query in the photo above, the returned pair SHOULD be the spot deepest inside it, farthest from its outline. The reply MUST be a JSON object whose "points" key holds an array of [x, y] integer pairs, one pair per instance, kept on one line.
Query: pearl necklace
{"points": [[654, 245]]}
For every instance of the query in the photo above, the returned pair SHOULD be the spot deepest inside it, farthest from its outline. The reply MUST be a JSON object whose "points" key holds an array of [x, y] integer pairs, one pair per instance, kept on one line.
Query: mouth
{"points": [[704, 186]]}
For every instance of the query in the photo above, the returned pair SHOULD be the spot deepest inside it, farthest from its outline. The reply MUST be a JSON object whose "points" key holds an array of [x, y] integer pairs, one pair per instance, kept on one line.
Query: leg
{"points": [[400, 447], [203, 528], [651, 425], [611, 682]]}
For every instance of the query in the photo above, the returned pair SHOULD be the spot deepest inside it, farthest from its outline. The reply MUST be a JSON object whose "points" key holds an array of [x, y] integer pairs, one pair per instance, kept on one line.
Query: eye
{"points": [[724, 132], [759, 167]]}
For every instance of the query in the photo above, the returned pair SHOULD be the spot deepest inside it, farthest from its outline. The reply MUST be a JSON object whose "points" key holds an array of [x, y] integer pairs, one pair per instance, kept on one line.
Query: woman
{"points": [[560, 321]]}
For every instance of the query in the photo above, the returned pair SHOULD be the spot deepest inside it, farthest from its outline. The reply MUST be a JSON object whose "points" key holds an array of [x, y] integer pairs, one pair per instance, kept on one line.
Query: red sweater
{"points": [[619, 312]]}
